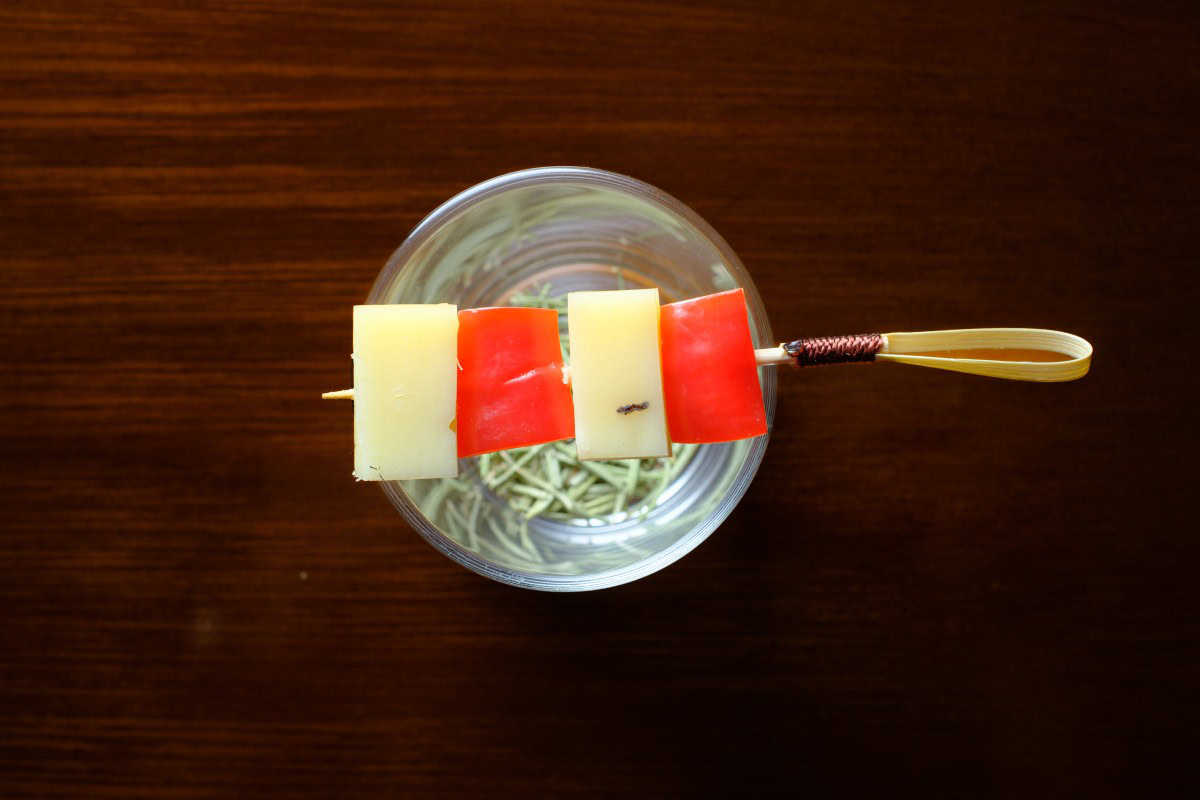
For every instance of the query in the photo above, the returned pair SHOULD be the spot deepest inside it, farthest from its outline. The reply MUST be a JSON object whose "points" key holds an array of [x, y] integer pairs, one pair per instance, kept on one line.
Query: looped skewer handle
{"points": [[950, 350], [921, 348]]}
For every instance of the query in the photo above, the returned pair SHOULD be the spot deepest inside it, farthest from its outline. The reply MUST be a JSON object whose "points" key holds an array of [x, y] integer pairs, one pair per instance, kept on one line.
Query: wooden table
{"points": [[937, 584]]}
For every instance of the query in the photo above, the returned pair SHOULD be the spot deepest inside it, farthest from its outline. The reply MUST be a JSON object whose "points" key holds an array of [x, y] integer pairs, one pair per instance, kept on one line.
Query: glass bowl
{"points": [[550, 231]]}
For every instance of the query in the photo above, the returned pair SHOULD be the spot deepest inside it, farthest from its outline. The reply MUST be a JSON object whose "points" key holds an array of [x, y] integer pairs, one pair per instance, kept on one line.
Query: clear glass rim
{"points": [[464, 200]]}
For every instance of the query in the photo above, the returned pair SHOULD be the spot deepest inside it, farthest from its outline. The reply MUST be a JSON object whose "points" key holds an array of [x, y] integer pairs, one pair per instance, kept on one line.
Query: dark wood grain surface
{"points": [[938, 584]]}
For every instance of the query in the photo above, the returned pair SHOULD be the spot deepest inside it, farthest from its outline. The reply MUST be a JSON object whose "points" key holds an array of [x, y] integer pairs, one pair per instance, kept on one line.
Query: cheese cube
{"points": [[405, 374], [616, 374]]}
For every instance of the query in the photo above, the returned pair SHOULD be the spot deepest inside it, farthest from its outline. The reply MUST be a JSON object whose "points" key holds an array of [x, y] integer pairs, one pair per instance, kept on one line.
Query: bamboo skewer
{"points": [[922, 348]]}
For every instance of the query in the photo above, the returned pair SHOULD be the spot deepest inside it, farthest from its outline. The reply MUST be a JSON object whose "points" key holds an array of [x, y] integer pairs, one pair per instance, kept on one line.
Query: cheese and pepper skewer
{"points": [[511, 388]]}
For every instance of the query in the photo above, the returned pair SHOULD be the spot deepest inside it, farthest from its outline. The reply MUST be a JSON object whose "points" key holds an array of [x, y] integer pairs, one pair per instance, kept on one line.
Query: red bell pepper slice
{"points": [[511, 391], [710, 380]]}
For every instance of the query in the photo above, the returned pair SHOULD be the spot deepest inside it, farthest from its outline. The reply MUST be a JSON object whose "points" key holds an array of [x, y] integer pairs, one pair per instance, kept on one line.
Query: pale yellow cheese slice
{"points": [[405, 380], [616, 364]]}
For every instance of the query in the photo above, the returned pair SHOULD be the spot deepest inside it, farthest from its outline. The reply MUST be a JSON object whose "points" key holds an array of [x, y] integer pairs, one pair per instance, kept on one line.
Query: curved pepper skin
{"points": [[710, 379], [511, 391]]}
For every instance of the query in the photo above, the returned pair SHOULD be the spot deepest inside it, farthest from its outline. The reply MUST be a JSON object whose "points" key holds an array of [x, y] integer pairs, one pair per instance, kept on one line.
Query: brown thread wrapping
{"points": [[821, 350]]}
